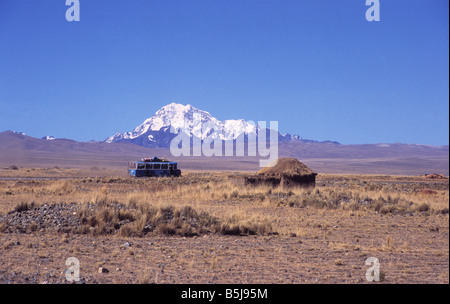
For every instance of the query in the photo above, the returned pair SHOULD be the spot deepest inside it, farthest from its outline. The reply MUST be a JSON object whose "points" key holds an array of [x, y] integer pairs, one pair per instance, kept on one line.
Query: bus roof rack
{"points": [[154, 159]]}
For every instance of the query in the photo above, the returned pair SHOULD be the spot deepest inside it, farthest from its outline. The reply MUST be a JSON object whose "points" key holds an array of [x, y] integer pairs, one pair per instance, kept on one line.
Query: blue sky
{"points": [[318, 67]]}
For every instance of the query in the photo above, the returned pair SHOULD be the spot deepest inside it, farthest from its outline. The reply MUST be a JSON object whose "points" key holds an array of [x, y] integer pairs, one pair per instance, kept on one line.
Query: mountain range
{"points": [[170, 120], [154, 135]]}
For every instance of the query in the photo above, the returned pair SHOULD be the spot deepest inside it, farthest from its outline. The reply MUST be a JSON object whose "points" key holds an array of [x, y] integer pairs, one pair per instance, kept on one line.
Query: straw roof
{"points": [[286, 167]]}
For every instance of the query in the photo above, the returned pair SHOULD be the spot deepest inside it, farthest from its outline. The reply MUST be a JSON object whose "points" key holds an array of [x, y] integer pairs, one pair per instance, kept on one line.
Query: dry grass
{"points": [[145, 218], [213, 193], [340, 223]]}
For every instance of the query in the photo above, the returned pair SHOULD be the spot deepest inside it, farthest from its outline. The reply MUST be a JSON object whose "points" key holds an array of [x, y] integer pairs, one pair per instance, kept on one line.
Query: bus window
{"points": [[148, 166], [164, 166], [141, 166], [156, 166]]}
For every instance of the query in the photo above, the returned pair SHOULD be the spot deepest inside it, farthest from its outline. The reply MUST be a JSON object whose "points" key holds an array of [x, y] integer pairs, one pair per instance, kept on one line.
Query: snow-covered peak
{"points": [[173, 114], [186, 118], [190, 119], [238, 126], [175, 107]]}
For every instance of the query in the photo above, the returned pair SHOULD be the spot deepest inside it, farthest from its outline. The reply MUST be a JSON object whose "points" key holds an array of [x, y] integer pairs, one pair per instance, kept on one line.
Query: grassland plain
{"points": [[205, 228]]}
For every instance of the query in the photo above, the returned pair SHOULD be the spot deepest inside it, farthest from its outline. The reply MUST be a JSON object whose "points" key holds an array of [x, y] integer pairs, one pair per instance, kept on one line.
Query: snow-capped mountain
{"points": [[162, 127]]}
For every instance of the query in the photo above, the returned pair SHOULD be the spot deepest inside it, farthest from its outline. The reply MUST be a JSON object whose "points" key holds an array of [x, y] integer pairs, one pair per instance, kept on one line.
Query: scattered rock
{"points": [[103, 270]]}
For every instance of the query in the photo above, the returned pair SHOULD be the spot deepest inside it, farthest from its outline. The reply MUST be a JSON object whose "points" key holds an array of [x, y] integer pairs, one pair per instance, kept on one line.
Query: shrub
{"points": [[23, 206], [126, 215], [33, 227], [84, 229], [226, 229], [3, 227], [132, 201], [166, 228], [423, 207], [234, 194], [444, 211], [126, 231], [338, 262], [61, 187], [92, 221]]}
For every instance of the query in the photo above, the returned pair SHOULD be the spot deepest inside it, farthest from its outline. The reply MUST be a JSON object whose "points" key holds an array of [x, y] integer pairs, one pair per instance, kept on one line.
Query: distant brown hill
{"points": [[22, 150], [322, 157]]}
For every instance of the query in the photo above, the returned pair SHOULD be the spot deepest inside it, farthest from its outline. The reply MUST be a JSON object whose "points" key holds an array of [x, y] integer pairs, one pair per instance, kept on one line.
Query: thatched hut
{"points": [[287, 172]]}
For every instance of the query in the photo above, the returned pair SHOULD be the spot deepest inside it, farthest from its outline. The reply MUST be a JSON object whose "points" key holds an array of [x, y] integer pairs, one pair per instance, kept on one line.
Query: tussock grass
{"points": [[246, 227], [207, 188], [378, 201], [61, 187], [212, 203], [144, 218], [23, 206]]}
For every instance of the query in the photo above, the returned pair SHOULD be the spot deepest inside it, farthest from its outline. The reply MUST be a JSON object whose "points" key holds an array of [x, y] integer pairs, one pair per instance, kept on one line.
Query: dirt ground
{"points": [[307, 242]]}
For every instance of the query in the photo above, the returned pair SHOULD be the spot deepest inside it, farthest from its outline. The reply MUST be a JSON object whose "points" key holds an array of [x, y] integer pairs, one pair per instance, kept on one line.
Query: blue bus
{"points": [[153, 167]]}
